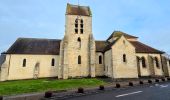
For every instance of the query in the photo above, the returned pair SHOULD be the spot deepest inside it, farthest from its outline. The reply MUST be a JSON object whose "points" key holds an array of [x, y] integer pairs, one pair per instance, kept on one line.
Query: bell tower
{"points": [[78, 45]]}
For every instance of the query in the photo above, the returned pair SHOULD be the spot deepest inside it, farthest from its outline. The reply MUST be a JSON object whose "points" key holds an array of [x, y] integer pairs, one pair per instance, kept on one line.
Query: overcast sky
{"points": [[147, 19]]}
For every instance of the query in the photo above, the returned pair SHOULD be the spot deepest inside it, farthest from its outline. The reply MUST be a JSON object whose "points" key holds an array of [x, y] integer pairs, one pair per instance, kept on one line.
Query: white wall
{"points": [[99, 67], [108, 63], [146, 71], [17, 71], [122, 69]]}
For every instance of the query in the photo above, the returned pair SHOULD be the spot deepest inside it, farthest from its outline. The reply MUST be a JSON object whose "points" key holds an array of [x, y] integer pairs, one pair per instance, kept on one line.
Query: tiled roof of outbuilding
{"points": [[35, 46], [143, 48], [78, 10]]}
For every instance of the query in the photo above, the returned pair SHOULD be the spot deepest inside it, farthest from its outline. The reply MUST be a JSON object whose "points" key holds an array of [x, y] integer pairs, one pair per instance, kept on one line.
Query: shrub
{"points": [[80, 90], [140, 82], [101, 87], [130, 84], [156, 80], [117, 85], [150, 81], [48, 94]]}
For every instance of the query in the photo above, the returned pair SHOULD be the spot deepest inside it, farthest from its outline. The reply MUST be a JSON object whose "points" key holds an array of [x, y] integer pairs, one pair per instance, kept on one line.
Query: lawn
{"points": [[41, 85]]}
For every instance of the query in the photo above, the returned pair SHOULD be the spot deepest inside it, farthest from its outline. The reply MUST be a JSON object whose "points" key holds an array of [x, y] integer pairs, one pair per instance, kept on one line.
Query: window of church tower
{"points": [[124, 58], [53, 62], [81, 25], [100, 59], [76, 31], [79, 42], [169, 63], [143, 62], [24, 63], [81, 30], [79, 59], [157, 62], [81, 21], [76, 26]]}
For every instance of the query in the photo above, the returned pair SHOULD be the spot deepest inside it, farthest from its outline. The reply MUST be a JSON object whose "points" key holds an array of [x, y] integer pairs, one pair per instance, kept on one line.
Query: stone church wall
{"points": [[75, 48], [108, 67], [43, 69], [99, 67], [150, 69], [128, 68], [158, 70], [144, 71], [4, 67], [166, 68]]}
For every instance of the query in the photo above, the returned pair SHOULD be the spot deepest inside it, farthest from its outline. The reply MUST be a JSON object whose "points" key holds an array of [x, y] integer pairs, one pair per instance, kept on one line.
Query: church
{"points": [[78, 54]]}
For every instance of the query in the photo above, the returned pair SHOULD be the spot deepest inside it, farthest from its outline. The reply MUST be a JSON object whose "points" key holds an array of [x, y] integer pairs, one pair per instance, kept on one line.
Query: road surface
{"points": [[159, 91]]}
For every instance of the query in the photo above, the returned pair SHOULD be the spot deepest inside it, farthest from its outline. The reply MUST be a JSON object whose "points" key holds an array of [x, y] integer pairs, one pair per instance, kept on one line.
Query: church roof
{"points": [[35, 46], [143, 48], [78, 10], [140, 47], [119, 34], [108, 47], [43, 46], [52, 46], [100, 45]]}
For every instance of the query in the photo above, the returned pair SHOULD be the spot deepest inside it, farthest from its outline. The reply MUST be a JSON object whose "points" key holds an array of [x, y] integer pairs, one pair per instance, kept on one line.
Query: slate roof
{"points": [[108, 47], [78, 10], [35, 46], [119, 34], [52, 46], [100, 45], [43, 46], [143, 48]]}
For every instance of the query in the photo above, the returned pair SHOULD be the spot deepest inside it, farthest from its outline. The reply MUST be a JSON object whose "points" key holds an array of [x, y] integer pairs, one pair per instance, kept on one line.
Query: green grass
{"points": [[41, 85]]}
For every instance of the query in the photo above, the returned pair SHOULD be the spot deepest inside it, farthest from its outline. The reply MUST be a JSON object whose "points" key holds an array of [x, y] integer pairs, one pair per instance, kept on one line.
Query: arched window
{"points": [[76, 26], [79, 42], [143, 62], [81, 30], [53, 62], [81, 21], [24, 63], [124, 58], [79, 59], [81, 26], [169, 62], [100, 59], [76, 23], [157, 62]]}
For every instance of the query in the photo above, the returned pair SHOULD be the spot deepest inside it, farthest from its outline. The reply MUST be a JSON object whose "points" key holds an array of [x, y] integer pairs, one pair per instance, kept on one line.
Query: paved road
{"points": [[160, 91]]}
